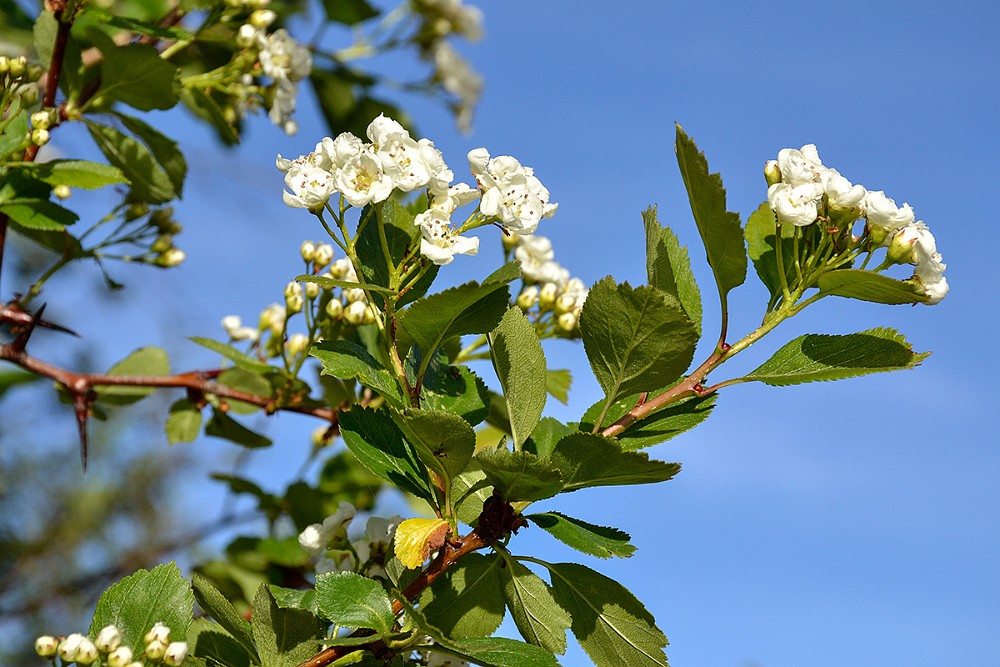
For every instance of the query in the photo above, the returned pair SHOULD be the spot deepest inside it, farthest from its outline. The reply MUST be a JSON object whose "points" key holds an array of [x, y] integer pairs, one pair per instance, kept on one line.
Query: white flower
{"points": [[335, 153], [272, 318], [458, 78], [454, 197], [283, 58], [362, 180], [511, 192], [316, 538], [800, 166], [311, 187], [438, 243], [840, 191], [297, 344], [883, 214], [384, 130], [794, 204], [535, 254], [930, 267], [233, 326]]}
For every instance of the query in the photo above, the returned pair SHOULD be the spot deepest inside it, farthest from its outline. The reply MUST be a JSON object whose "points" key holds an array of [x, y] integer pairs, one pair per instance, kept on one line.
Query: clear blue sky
{"points": [[850, 523]]}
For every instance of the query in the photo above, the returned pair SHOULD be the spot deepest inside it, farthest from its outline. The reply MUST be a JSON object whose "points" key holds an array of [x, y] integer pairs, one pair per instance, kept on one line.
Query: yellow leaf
{"points": [[417, 538]]}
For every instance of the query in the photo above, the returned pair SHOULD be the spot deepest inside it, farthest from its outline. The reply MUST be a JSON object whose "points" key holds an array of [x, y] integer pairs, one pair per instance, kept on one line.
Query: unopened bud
{"points": [[547, 296], [68, 647], [340, 268], [369, 317], [41, 119], [567, 322], [771, 172], [510, 240], [528, 297], [163, 243], [354, 295], [246, 36], [86, 653], [34, 73], [324, 255], [319, 437], [62, 191], [565, 303], [298, 344], [902, 247], [175, 654], [293, 297], [155, 650], [159, 632], [4, 65], [355, 312], [312, 291], [120, 657], [39, 137], [108, 639], [29, 96], [262, 18], [334, 309], [272, 318], [46, 646], [17, 66], [308, 251], [171, 258]]}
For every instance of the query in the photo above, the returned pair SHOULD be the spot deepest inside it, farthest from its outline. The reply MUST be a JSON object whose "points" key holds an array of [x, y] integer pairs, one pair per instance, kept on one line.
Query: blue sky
{"points": [[827, 524]]}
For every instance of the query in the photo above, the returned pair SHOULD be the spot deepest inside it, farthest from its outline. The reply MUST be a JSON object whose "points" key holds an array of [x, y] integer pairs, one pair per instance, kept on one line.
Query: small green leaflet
{"points": [[520, 366], [148, 180], [599, 541], [760, 234], [284, 636], [219, 608], [136, 75], [467, 309], [210, 643], [538, 617], [658, 427], [223, 426], [350, 600], [668, 267], [183, 421], [520, 476], [146, 361], [557, 383], [74, 173], [239, 358], [248, 382], [816, 357], [720, 229], [349, 361], [468, 599], [588, 460], [868, 286]]}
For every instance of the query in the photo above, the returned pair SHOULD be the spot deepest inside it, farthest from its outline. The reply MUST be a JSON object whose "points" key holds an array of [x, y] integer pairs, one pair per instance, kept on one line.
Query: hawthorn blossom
{"points": [[800, 166], [840, 192], [535, 254], [795, 204], [439, 243], [282, 58], [884, 217], [311, 187], [511, 192], [317, 537], [362, 180], [454, 197]]}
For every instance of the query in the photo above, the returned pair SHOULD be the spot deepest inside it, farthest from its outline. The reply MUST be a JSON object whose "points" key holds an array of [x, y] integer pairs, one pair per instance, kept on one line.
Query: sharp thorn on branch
{"points": [[81, 406]]}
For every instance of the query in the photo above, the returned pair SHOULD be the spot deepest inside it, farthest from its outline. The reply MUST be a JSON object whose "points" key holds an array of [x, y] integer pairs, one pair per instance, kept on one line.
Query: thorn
{"points": [[81, 406]]}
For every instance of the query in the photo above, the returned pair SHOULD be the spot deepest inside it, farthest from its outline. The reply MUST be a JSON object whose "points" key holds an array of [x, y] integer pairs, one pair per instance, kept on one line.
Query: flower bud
{"points": [[340, 268], [308, 250], [312, 290], [901, 248], [29, 96], [293, 297], [155, 650], [369, 317], [548, 294], [528, 297], [41, 119], [334, 309], [171, 258], [68, 647], [262, 18], [86, 653], [246, 36], [4, 65], [354, 295], [46, 646], [510, 240], [17, 66], [163, 243], [297, 345], [324, 255], [175, 654], [108, 639], [565, 303], [120, 657], [772, 174], [39, 137], [355, 312], [272, 318], [62, 191], [159, 632], [567, 322], [320, 438]]}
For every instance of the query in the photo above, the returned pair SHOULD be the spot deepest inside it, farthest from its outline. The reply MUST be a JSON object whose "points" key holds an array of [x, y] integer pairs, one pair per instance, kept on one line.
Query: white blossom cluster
{"points": [[368, 173], [547, 284], [803, 191], [329, 543], [107, 649]]}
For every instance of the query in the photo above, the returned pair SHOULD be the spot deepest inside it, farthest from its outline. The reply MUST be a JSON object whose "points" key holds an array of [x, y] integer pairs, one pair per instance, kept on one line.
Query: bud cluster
{"points": [[107, 649], [549, 294]]}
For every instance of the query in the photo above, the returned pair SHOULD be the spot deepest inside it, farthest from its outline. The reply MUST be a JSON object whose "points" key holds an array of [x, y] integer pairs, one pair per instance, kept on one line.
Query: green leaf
{"points": [[284, 637], [350, 600], [267, 503], [14, 130], [243, 380], [467, 309], [205, 107], [138, 26], [668, 267], [520, 475], [545, 436], [611, 625], [241, 360], [508, 272], [396, 223], [74, 173], [285, 552], [293, 598], [183, 422], [818, 357], [162, 147], [349, 12], [520, 365], [148, 180], [720, 229], [868, 286], [135, 603], [207, 640], [10, 379], [330, 283], [44, 33], [636, 339], [146, 361], [599, 541], [470, 490], [223, 426], [537, 615], [557, 383], [590, 460], [349, 361], [39, 214], [136, 75], [444, 441], [219, 608], [454, 389], [468, 599], [378, 444], [761, 235], [658, 427]]}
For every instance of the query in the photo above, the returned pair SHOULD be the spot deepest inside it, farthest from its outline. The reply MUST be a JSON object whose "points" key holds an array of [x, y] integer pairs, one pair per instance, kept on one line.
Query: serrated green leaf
{"points": [[395, 222], [135, 603], [243, 380], [668, 267], [589, 460], [760, 232], [520, 476], [655, 428], [14, 133], [39, 214], [868, 286], [163, 148], [508, 272], [349, 361], [455, 389], [612, 626], [520, 365], [818, 357], [234, 355], [74, 173], [720, 229], [284, 637], [350, 600], [557, 383], [136, 75], [44, 33], [444, 441], [537, 615], [600, 541], [294, 598], [545, 436], [637, 339], [378, 444], [467, 309], [468, 599], [220, 609], [223, 426], [148, 180], [183, 422], [146, 361], [329, 283], [208, 640]]}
